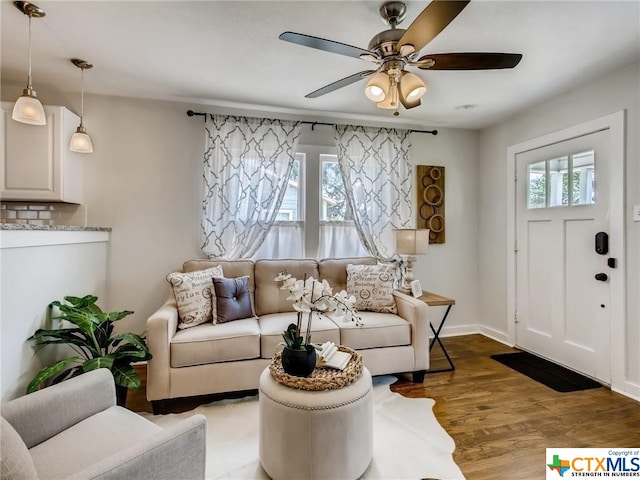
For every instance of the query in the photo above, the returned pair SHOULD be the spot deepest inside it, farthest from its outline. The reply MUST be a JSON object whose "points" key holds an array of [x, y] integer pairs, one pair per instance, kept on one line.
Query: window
{"points": [[313, 220], [564, 181], [291, 203], [286, 237], [333, 205]]}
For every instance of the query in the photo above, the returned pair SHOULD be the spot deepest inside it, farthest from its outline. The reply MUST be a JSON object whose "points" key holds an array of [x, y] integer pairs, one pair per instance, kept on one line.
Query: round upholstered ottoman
{"points": [[325, 434]]}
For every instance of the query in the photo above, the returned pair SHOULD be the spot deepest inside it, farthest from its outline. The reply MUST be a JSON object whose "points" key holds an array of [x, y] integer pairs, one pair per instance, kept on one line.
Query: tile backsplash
{"points": [[36, 213]]}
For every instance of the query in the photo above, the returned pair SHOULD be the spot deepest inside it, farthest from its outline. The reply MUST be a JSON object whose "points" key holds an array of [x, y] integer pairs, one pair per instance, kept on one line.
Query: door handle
{"points": [[602, 277]]}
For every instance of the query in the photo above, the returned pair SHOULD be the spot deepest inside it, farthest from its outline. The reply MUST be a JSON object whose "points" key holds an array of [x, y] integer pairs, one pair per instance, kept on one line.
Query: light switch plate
{"points": [[636, 213]]}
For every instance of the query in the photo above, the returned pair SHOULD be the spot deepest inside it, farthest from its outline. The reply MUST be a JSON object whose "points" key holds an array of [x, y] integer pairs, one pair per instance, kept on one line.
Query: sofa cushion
{"points": [[194, 295], [232, 269], [334, 270], [232, 299], [372, 285], [378, 330], [269, 298], [208, 343], [104, 434], [272, 325], [15, 460]]}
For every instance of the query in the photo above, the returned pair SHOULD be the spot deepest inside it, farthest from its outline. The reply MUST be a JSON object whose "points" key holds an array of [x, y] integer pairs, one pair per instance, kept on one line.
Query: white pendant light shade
{"points": [[28, 109], [412, 86], [378, 87], [81, 142]]}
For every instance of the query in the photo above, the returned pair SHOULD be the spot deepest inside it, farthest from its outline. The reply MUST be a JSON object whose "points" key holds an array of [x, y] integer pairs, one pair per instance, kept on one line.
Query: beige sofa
{"points": [[228, 357]]}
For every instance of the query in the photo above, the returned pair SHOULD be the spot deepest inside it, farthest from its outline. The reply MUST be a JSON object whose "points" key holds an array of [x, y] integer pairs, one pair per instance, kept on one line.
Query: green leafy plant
{"points": [[91, 337]]}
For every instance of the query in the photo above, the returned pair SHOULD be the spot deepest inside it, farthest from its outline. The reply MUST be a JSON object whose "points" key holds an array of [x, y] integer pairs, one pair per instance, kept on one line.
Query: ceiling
{"points": [[227, 53]]}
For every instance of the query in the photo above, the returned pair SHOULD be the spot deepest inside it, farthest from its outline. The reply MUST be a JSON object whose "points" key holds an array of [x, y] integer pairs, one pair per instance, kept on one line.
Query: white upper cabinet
{"points": [[35, 161]]}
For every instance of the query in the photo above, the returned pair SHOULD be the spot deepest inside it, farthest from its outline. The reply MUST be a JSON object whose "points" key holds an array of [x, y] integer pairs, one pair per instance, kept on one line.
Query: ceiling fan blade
{"points": [[471, 61], [340, 83], [324, 44], [432, 20]]}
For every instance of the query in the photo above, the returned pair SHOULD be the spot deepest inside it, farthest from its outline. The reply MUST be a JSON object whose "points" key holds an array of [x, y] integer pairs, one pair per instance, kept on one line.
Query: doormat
{"points": [[548, 373]]}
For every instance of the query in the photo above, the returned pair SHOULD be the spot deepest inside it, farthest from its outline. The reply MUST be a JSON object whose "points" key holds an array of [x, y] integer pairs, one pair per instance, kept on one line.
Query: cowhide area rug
{"points": [[409, 443]]}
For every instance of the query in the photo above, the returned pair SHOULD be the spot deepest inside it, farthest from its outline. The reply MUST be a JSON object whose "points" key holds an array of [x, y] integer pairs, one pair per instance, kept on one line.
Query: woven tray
{"points": [[322, 378]]}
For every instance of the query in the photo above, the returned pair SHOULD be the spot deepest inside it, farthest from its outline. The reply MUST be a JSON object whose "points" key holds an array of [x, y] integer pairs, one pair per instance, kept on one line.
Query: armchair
{"points": [[75, 430]]}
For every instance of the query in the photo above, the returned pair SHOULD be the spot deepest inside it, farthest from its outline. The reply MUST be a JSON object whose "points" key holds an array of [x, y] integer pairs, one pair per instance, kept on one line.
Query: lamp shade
{"points": [[81, 142], [411, 241], [412, 86], [28, 109], [378, 87]]}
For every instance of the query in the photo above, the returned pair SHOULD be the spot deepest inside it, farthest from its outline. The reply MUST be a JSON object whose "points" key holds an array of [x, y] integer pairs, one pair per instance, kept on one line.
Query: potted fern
{"points": [[91, 337]]}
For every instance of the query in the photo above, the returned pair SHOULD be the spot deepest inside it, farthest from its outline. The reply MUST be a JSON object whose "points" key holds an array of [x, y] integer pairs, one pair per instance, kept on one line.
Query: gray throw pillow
{"points": [[232, 297]]}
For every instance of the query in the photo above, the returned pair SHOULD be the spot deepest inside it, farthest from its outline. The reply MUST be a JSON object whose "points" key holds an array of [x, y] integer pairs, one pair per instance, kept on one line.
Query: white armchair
{"points": [[74, 430]]}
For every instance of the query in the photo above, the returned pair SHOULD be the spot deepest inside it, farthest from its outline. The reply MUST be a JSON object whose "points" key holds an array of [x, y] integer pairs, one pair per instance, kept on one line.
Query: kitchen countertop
{"points": [[52, 228]]}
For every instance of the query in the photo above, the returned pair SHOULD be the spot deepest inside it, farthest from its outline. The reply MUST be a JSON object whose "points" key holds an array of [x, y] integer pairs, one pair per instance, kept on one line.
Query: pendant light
{"points": [[28, 108], [81, 141]]}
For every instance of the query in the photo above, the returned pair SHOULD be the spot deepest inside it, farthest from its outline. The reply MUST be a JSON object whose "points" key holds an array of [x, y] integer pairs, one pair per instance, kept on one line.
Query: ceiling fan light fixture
{"points": [[377, 88], [391, 102], [412, 86]]}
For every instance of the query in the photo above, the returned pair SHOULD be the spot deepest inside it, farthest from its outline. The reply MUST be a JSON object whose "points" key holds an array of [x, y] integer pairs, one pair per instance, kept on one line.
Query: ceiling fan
{"points": [[395, 49]]}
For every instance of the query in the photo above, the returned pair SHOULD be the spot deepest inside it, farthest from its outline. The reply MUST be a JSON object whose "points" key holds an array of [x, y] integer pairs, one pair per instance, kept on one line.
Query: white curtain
{"points": [[340, 240], [247, 163], [376, 171], [284, 240]]}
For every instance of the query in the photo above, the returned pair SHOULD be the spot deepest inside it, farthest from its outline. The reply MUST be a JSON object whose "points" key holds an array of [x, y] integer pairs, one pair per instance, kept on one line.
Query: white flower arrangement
{"points": [[311, 295]]}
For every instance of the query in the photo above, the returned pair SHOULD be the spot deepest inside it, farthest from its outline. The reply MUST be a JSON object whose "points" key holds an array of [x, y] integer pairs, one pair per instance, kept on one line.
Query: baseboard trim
{"points": [[457, 330], [631, 390], [496, 335]]}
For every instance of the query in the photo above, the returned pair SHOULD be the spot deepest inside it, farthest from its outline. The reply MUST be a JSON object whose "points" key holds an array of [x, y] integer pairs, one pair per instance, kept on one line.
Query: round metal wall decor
{"points": [[430, 182]]}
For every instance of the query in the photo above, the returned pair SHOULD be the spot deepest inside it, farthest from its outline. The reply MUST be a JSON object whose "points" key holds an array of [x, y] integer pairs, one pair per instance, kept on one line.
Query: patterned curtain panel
{"points": [[376, 171], [247, 163]]}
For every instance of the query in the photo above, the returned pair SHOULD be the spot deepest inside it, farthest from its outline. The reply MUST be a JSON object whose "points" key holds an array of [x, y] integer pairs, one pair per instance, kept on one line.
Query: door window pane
{"points": [[583, 177], [559, 181], [537, 185], [565, 181]]}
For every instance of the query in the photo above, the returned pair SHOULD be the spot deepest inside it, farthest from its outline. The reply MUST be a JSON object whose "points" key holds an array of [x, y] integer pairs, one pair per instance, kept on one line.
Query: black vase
{"points": [[299, 363]]}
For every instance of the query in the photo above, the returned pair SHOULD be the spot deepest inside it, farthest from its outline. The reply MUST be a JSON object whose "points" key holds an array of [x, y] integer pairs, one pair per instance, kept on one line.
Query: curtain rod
{"points": [[191, 113]]}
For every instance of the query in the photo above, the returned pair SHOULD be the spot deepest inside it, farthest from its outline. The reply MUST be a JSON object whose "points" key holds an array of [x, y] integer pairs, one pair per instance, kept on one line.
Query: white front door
{"points": [[562, 295]]}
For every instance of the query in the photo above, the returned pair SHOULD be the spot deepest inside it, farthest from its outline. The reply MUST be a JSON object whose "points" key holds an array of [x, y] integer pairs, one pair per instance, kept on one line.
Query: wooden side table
{"points": [[435, 300]]}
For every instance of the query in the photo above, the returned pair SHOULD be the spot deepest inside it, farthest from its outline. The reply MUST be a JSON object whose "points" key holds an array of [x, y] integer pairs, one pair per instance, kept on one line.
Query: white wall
{"points": [[34, 276], [144, 180], [451, 268], [614, 92]]}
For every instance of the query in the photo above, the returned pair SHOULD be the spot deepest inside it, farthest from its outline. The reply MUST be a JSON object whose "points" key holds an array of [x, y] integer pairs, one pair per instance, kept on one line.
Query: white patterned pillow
{"points": [[372, 285], [195, 295]]}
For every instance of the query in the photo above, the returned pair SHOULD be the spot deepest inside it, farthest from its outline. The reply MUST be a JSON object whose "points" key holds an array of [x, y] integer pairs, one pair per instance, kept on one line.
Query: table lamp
{"points": [[409, 243]]}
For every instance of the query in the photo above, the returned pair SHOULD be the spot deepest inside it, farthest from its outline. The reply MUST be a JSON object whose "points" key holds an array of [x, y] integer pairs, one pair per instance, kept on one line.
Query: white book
{"points": [[330, 356]]}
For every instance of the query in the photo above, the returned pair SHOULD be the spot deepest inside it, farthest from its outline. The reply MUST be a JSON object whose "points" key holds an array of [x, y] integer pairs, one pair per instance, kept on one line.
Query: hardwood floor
{"points": [[500, 420]]}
